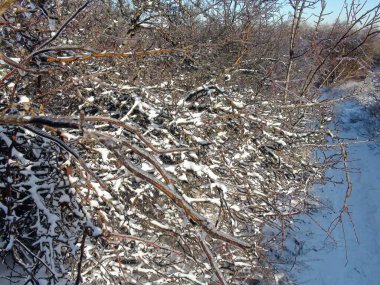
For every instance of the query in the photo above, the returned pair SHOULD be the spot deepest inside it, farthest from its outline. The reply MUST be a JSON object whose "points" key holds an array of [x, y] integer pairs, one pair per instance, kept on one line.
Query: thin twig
{"points": [[123, 236], [64, 25], [79, 275], [211, 259], [39, 259]]}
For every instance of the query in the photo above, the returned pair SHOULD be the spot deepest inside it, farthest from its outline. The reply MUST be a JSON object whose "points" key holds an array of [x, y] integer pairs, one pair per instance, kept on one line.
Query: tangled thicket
{"points": [[163, 169], [242, 171]]}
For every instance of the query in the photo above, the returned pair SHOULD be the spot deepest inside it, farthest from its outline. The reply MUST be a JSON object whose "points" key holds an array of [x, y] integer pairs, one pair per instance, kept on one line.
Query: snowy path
{"points": [[341, 259]]}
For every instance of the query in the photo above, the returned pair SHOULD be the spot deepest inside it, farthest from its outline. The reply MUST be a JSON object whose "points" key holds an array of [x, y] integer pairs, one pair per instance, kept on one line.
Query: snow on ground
{"points": [[345, 258]]}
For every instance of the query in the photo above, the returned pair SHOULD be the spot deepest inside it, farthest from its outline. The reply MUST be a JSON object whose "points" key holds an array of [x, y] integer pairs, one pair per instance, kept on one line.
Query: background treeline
{"points": [[253, 41]]}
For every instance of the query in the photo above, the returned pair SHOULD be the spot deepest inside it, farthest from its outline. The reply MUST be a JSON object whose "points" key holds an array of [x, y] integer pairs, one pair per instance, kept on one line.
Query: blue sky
{"points": [[335, 7]]}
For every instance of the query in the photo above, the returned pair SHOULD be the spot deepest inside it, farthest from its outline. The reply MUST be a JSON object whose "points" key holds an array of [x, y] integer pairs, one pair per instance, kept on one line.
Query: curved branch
{"points": [[211, 259], [64, 146], [173, 195], [17, 65]]}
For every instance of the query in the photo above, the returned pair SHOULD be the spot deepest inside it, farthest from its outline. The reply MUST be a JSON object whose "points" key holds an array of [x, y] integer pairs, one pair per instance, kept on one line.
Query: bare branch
{"points": [[211, 259]]}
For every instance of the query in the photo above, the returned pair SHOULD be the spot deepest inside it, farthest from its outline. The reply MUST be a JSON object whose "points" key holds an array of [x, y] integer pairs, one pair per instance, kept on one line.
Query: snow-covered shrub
{"points": [[181, 191], [151, 172], [41, 218]]}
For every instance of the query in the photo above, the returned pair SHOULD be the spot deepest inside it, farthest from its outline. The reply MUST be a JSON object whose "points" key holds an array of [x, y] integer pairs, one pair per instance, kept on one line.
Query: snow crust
{"points": [[350, 253]]}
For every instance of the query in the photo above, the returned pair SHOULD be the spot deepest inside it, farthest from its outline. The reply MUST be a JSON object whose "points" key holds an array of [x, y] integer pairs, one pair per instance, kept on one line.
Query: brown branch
{"points": [[211, 259], [110, 54], [136, 132], [5, 23], [147, 156]]}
